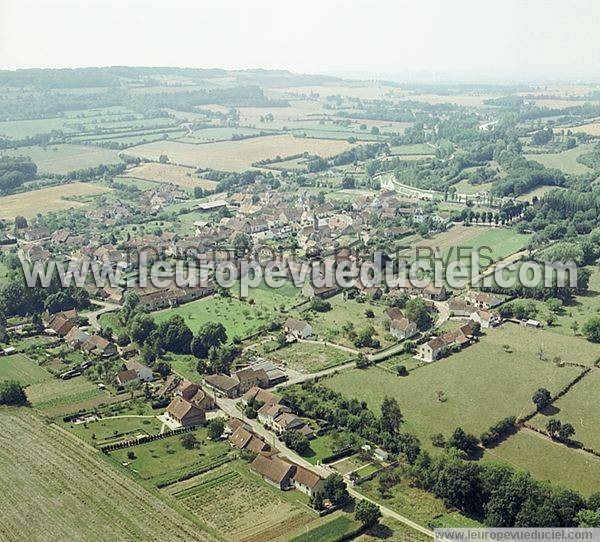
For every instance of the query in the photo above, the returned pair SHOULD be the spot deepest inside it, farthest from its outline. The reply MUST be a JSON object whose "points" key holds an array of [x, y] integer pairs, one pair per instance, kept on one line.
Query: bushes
{"points": [[12, 393], [498, 431]]}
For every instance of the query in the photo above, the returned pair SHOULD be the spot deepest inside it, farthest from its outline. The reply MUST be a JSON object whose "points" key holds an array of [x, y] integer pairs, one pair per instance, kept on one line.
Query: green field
{"points": [[19, 367], [206, 135], [56, 396], [64, 158], [580, 407], [110, 429], [329, 532], [547, 460], [160, 459], [309, 357], [566, 161], [421, 506], [482, 384]]}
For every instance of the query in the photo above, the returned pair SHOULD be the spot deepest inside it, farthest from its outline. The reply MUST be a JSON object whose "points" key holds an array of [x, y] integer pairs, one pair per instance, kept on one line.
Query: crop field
{"points": [[167, 173], [332, 530], [547, 460], [45, 200], [238, 155], [580, 407], [566, 161], [484, 383], [162, 459], [64, 158], [309, 357], [592, 128], [54, 488], [56, 396], [328, 325], [392, 530], [19, 367], [235, 502]]}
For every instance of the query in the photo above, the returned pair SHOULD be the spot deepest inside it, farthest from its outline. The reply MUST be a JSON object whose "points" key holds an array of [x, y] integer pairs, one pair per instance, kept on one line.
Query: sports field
{"points": [[237, 155], [45, 200], [64, 158], [479, 386], [52, 487]]}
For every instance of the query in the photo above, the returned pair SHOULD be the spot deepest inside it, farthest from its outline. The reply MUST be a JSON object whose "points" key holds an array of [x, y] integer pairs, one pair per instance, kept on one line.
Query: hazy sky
{"points": [[488, 37]]}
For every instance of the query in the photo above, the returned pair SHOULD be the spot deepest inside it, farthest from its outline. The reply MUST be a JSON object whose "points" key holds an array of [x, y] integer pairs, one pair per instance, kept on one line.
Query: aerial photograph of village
{"points": [[299, 271]]}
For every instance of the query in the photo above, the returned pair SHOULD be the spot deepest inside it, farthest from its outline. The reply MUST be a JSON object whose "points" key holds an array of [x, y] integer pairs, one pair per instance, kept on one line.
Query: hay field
{"points": [[238, 155], [45, 200], [54, 488], [566, 161], [168, 173], [592, 128], [65, 158]]}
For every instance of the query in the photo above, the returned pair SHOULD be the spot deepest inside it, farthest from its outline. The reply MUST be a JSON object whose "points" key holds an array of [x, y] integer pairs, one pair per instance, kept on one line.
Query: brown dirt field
{"points": [[53, 487], [29, 204], [238, 155], [168, 173]]}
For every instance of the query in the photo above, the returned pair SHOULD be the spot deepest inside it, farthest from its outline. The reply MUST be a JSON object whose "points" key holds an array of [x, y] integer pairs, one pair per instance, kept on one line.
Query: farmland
{"points": [[566, 161], [54, 198], [237, 155], [64, 158], [56, 396], [90, 500], [167, 173], [480, 385], [235, 502], [19, 367], [547, 460]]}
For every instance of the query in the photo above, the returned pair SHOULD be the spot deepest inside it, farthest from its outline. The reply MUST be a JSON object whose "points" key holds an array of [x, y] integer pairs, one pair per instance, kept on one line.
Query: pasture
{"points": [[580, 407], [53, 198], [168, 173], [566, 161], [474, 388], [62, 159], [547, 460], [41, 464], [237, 155]]}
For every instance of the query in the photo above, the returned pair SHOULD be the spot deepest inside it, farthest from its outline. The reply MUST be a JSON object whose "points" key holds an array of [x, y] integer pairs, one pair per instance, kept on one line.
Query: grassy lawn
{"points": [[167, 456], [239, 317], [107, 430], [322, 446], [309, 357], [481, 385], [184, 365], [420, 506], [579, 407], [55, 396], [548, 460], [19, 367], [328, 325]]}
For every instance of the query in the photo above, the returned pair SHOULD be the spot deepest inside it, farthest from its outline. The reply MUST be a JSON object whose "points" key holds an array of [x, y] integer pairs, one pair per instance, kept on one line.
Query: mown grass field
{"points": [[64, 158], [169, 173], [237, 155], [480, 385], [45, 200], [309, 357], [111, 429], [566, 161], [580, 407], [19, 367], [54, 488], [56, 396], [547, 460], [161, 459]]}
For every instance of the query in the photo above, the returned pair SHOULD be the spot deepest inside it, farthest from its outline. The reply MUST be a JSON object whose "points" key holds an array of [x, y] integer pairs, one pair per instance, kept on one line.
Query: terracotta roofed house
{"points": [[184, 412], [274, 470], [242, 439]]}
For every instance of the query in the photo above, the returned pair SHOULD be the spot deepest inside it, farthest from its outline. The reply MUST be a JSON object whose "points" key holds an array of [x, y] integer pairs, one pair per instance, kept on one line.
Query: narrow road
{"points": [[105, 306]]}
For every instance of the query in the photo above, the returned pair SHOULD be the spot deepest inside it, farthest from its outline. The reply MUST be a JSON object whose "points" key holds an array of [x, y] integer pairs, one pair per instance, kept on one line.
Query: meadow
{"points": [[566, 161], [580, 407], [474, 388], [45, 200], [62, 159], [308, 357], [57, 397], [41, 464], [22, 369], [237, 155], [547, 460]]}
